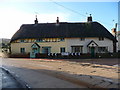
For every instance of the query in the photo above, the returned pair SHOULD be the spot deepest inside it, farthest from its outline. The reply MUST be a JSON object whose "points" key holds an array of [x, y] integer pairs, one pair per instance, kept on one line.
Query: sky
{"points": [[14, 13]]}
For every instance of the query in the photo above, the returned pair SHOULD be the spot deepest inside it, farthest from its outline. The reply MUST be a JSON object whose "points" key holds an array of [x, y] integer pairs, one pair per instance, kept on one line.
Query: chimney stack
{"points": [[36, 21], [89, 19], [57, 21]]}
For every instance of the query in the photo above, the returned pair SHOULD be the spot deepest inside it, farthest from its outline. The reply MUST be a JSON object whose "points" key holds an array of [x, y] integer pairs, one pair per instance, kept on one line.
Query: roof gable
{"points": [[35, 45], [92, 44]]}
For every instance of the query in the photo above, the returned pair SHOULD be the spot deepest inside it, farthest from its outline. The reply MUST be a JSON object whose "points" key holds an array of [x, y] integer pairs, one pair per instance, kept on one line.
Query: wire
{"points": [[77, 12], [68, 8]]}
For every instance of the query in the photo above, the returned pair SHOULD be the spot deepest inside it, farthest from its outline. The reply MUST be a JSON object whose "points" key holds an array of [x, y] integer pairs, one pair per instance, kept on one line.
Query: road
{"points": [[34, 75], [8, 81]]}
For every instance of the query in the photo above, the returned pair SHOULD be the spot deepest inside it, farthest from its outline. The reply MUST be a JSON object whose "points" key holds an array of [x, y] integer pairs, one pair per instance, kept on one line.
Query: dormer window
{"points": [[82, 39], [101, 38], [22, 40], [62, 39], [39, 40]]}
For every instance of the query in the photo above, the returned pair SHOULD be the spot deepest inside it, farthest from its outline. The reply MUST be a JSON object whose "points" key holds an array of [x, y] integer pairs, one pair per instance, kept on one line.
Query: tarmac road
{"points": [[34, 77], [8, 81]]}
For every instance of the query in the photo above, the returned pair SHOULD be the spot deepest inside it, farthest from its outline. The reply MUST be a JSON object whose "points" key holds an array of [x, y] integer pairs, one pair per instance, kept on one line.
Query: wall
{"points": [[55, 46], [76, 41], [15, 47], [68, 42]]}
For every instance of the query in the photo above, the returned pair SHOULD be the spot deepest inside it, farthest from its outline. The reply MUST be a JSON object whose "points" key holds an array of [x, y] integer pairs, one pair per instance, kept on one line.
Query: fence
{"points": [[67, 56]]}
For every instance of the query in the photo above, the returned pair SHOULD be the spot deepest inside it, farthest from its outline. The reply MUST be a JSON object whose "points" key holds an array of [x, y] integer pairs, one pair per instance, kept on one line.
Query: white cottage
{"points": [[59, 37]]}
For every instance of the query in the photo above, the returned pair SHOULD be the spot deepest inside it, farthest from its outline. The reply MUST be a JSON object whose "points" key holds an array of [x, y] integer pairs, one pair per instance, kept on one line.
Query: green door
{"points": [[32, 55], [34, 52], [92, 51]]}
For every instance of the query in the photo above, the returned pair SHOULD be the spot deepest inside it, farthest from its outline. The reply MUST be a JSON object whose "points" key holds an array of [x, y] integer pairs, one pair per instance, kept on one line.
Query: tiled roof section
{"points": [[63, 30]]}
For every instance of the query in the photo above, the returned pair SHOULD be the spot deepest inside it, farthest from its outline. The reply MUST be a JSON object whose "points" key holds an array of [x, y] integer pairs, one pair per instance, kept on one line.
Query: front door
{"points": [[33, 53], [92, 51], [35, 49]]}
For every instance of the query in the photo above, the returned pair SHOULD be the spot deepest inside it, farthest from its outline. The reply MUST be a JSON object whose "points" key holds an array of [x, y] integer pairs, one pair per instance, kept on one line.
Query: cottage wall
{"points": [[77, 42], [55, 46], [67, 43]]}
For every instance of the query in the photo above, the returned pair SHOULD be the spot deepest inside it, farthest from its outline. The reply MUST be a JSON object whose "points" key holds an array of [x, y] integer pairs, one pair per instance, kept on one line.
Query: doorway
{"points": [[35, 49]]}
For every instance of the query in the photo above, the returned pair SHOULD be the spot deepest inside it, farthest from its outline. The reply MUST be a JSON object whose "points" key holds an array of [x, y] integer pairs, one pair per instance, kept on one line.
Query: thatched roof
{"points": [[62, 30]]}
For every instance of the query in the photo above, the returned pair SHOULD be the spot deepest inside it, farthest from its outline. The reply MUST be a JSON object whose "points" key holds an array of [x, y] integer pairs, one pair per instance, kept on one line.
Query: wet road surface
{"points": [[8, 81]]}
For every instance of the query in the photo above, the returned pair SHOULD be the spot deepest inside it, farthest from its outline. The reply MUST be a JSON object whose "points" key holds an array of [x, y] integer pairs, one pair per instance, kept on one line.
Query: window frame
{"points": [[101, 38], [22, 50], [78, 49], [22, 40], [44, 49], [62, 39], [102, 49], [39, 40], [82, 39], [62, 49]]}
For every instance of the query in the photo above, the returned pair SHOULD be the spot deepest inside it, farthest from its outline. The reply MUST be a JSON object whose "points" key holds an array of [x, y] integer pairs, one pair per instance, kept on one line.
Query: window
{"points": [[22, 50], [101, 38], [62, 39], [77, 49], [39, 40], [22, 40], [82, 39], [62, 49], [54, 39], [33, 40], [46, 50], [102, 49]]}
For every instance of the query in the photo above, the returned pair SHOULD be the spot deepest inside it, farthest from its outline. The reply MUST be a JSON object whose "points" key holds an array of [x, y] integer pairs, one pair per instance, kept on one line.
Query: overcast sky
{"points": [[14, 13]]}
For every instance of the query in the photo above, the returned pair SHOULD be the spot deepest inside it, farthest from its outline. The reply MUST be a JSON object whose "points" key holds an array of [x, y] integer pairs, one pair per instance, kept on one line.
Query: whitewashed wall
{"points": [[55, 46], [76, 41]]}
